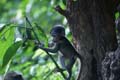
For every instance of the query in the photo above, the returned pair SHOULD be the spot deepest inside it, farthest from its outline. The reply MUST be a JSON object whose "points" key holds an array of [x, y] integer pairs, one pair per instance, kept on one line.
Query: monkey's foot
{"points": [[58, 70], [67, 79]]}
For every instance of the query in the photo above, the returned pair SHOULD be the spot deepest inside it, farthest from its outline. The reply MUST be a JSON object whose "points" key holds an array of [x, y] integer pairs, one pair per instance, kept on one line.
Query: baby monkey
{"points": [[68, 54], [13, 76]]}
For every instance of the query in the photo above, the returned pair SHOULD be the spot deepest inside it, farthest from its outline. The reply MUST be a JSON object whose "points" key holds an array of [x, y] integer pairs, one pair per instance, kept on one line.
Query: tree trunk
{"points": [[92, 25]]}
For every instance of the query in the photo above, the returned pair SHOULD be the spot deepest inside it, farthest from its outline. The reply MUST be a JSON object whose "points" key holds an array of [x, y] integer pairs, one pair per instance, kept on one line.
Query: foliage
{"points": [[10, 52], [17, 38]]}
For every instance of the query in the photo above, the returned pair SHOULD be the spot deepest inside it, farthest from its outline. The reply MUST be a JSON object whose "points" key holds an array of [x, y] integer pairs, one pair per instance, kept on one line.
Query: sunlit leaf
{"points": [[6, 39], [1, 26], [117, 15], [11, 52], [38, 52], [4, 28]]}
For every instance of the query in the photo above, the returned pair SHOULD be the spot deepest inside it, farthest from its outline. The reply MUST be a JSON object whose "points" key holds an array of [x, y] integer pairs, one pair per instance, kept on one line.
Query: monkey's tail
{"points": [[80, 66]]}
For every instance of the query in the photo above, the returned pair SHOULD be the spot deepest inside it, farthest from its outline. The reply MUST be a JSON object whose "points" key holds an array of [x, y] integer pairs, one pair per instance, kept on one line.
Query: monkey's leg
{"points": [[62, 62], [69, 67]]}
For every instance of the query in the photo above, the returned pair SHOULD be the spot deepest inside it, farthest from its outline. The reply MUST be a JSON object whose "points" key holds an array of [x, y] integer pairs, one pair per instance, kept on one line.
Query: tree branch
{"points": [[61, 11]]}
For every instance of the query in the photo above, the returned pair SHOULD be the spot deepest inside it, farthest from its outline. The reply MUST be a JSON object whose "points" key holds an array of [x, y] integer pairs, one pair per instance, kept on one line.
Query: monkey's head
{"points": [[57, 32], [13, 76]]}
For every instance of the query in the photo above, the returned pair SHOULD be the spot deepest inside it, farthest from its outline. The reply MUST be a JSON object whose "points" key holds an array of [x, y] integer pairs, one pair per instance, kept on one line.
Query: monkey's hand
{"points": [[42, 48], [37, 46]]}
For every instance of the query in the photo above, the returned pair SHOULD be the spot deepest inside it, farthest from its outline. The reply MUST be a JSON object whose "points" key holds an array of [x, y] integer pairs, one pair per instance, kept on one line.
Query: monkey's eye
{"points": [[54, 35]]}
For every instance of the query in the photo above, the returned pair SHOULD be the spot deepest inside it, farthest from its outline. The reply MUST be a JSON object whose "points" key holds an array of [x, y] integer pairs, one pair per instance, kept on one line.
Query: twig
{"points": [[32, 29], [56, 65]]}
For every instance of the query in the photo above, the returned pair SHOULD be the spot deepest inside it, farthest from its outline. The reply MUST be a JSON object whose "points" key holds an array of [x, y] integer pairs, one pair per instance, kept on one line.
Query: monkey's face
{"points": [[56, 38]]}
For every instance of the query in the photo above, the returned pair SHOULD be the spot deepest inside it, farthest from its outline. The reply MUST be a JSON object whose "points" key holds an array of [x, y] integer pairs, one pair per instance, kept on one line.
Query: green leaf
{"points": [[5, 28], [6, 39], [10, 52], [117, 15]]}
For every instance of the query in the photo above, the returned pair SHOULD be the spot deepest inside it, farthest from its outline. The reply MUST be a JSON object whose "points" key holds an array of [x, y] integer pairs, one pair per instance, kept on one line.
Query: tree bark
{"points": [[92, 25]]}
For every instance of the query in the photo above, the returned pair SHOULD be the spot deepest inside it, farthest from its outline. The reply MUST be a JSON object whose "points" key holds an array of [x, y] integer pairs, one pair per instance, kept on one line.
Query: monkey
{"points": [[13, 76], [67, 51]]}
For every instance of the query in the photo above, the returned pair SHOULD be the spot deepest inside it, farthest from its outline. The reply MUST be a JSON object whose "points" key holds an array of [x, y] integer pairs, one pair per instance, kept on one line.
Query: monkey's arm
{"points": [[52, 50]]}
